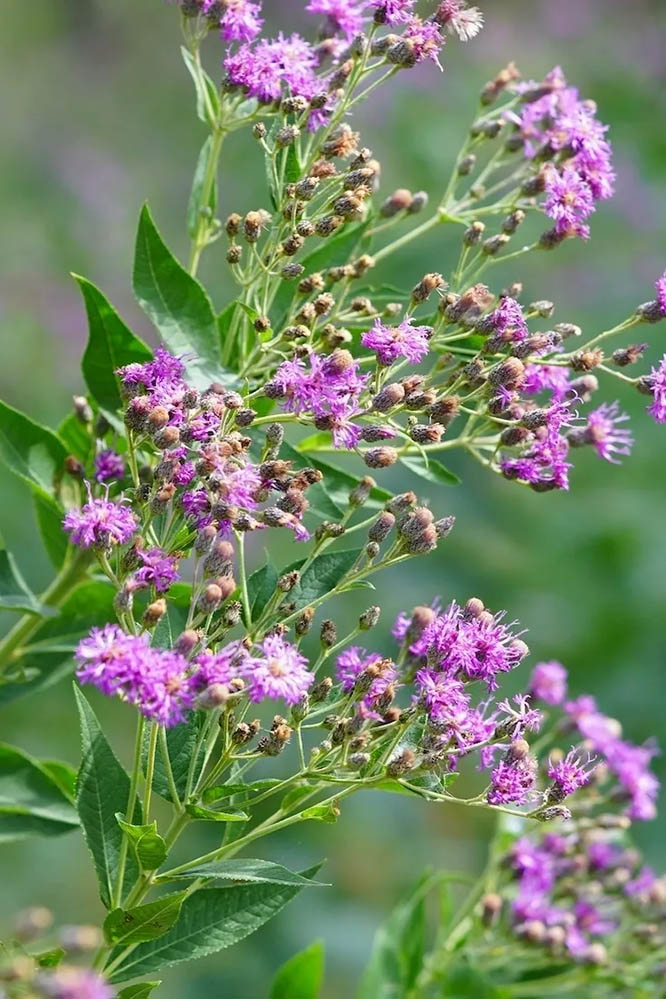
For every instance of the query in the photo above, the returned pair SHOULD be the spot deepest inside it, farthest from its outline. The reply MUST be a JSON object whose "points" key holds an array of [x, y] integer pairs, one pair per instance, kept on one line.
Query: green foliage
{"points": [[248, 871], [302, 976], [177, 304], [210, 815], [323, 575], [260, 588], [111, 344], [32, 802], [140, 991], [143, 922], [397, 953], [210, 920], [206, 91], [195, 205], [102, 790], [32, 452], [15, 594], [148, 845], [48, 658], [432, 471]]}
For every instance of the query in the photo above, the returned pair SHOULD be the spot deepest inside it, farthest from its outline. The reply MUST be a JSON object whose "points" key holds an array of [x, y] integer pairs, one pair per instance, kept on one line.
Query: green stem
{"points": [[175, 797], [200, 237], [150, 770], [55, 595], [245, 598], [129, 814]]}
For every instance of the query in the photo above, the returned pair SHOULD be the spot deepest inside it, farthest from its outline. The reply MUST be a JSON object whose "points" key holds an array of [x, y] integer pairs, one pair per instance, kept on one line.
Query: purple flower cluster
{"points": [[100, 523], [660, 285], [574, 891], [157, 569], [378, 676], [629, 763], [109, 465], [157, 681], [345, 17], [392, 342], [279, 673], [543, 462], [604, 432], [73, 983], [656, 381], [459, 19], [568, 775], [548, 683], [273, 67], [555, 118], [393, 11], [328, 387]]}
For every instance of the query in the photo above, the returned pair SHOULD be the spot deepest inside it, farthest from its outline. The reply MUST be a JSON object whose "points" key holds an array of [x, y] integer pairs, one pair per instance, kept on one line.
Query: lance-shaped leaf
{"points": [[246, 871], [302, 976], [140, 991], [14, 592], [210, 920], [143, 922], [32, 452], [434, 471], [111, 344], [102, 789], [322, 576], [177, 304], [32, 803]]}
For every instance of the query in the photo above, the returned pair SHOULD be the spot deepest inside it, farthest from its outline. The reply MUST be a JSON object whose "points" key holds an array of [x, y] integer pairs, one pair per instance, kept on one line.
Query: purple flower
{"points": [[280, 673], [603, 432], [641, 886], [657, 383], [660, 285], [197, 506], [221, 666], [459, 19], [394, 11], [543, 463], [569, 201], [73, 983], [444, 697], [425, 40], [548, 682], [511, 782], [164, 368], [542, 377], [109, 465], [520, 719], [241, 21], [568, 775], [264, 70], [345, 16], [392, 342], [100, 523], [156, 681], [352, 663], [158, 570], [508, 319]]}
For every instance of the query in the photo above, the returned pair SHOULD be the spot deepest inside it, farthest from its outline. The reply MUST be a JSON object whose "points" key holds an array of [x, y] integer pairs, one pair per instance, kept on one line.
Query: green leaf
{"points": [[148, 845], [322, 813], [143, 922], [102, 789], [31, 801], [49, 516], [206, 90], [63, 775], [49, 655], [209, 815], [32, 452], [465, 982], [212, 794], [260, 588], [434, 471], [323, 575], [151, 851], [111, 344], [50, 958], [76, 437], [195, 205], [14, 592], [397, 953], [181, 740], [210, 920], [140, 991], [246, 871], [302, 976], [176, 303]]}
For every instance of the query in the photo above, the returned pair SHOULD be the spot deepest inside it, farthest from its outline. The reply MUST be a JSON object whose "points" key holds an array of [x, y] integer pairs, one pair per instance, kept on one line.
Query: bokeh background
{"points": [[97, 118]]}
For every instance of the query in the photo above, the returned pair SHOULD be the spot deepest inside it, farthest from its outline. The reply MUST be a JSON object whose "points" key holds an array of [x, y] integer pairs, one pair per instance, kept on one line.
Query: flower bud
{"points": [[153, 613], [369, 618], [399, 201], [321, 690], [210, 599], [382, 527], [304, 621], [215, 696], [328, 634], [380, 457], [361, 493], [389, 397], [82, 409], [425, 287]]}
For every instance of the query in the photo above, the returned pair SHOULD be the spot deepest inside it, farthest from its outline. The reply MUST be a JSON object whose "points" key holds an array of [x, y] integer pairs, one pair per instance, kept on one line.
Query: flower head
{"points": [[548, 682], [100, 523], [344, 16], [392, 342], [158, 569], [657, 383], [68, 982], [109, 465], [604, 432], [660, 285], [280, 673], [569, 201], [241, 21], [512, 782], [568, 775], [459, 19], [393, 11]]}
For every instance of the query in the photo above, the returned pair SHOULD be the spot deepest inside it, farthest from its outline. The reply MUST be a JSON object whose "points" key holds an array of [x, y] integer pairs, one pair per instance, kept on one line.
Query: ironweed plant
{"points": [[179, 463]]}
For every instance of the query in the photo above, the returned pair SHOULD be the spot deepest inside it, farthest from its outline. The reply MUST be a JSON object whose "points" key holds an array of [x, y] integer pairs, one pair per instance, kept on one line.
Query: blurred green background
{"points": [[98, 117]]}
